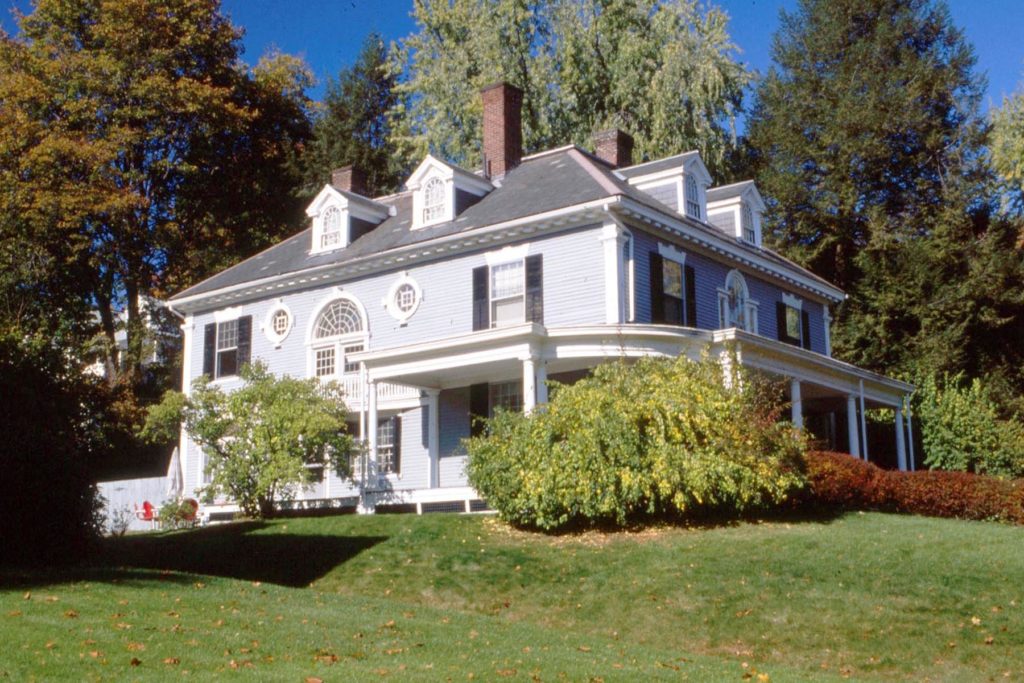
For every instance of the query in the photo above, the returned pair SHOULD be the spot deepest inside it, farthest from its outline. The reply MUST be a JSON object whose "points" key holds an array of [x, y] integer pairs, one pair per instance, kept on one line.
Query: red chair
{"points": [[190, 517], [148, 513]]}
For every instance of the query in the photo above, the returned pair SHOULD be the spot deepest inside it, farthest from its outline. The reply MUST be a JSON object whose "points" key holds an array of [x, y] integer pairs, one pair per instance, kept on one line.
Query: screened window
{"points": [[507, 290], [747, 216], [692, 198], [433, 200], [227, 348], [507, 396], [330, 236]]}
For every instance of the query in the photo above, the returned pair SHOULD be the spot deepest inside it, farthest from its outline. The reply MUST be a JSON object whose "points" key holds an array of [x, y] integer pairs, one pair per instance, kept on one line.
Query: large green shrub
{"points": [[654, 437], [962, 430]]}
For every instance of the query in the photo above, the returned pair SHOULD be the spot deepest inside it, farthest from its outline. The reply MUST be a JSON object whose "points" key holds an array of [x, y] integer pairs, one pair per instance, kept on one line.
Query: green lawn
{"points": [[866, 596]]}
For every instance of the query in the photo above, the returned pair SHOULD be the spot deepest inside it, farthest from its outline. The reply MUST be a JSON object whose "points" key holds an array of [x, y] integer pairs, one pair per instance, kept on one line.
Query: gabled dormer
{"points": [[737, 209], [441, 191], [680, 182], [340, 217]]}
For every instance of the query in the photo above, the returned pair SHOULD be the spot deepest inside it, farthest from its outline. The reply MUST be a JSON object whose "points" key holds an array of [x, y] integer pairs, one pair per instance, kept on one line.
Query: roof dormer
{"points": [[737, 209], [441, 191], [341, 217], [680, 182]]}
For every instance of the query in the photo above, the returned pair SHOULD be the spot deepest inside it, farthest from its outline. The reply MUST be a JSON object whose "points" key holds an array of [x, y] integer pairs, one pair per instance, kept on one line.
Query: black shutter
{"points": [[806, 320], [780, 320], [209, 349], [396, 448], [244, 341], [691, 296], [481, 307], [478, 408], [535, 289], [657, 289]]}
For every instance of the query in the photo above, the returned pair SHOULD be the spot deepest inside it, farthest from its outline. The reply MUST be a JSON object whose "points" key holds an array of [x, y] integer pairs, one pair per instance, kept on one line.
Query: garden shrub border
{"points": [[838, 480]]}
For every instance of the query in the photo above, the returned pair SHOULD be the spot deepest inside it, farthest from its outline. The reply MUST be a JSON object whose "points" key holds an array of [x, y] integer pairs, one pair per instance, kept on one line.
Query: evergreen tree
{"points": [[354, 124], [663, 70], [1008, 148], [868, 143]]}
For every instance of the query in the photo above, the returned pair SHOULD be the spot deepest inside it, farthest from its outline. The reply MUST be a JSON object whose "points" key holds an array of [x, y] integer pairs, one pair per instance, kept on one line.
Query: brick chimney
{"points": [[614, 147], [503, 128], [350, 179]]}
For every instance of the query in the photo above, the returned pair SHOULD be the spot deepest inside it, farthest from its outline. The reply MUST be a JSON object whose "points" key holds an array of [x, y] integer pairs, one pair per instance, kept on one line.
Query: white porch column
{"points": [[371, 427], [851, 425], [828, 330], [901, 449], [434, 435], [613, 238], [910, 436], [863, 423], [797, 404], [529, 385], [542, 378]]}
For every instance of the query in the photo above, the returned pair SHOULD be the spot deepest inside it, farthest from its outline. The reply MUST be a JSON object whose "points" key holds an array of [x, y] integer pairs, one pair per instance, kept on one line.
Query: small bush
{"points": [[652, 438], [178, 514], [840, 480], [962, 429]]}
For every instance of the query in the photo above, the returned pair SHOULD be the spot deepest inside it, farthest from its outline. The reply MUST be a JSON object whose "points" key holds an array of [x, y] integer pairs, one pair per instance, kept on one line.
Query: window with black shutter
{"points": [[508, 293], [481, 303], [691, 296], [535, 289], [227, 346], [672, 292], [806, 329], [790, 323]]}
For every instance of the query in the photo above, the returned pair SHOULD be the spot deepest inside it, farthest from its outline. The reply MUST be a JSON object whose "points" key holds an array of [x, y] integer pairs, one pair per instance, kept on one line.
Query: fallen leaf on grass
{"points": [[172, 661], [51, 598], [122, 626], [27, 596], [505, 673], [989, 640], [583, 648], [313, 679], [71, 614], [14, 613], [136, 647], [135, 661], [50, 644], [976, 621]]}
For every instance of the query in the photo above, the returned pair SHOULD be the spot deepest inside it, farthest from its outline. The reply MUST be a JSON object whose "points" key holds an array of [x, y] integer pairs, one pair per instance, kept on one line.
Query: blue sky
{"points": [[327, 33]]}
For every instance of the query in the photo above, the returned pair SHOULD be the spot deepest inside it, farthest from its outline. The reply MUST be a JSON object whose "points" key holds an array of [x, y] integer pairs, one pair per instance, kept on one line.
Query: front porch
{"points": [[531, 353]]}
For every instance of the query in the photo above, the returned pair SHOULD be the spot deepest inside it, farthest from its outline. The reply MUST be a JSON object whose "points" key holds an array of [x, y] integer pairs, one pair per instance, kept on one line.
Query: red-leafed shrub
{"points": [[840, 480]]}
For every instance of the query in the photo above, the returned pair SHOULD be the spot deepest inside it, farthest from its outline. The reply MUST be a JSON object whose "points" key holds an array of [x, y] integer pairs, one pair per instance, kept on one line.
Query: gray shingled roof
{"points": [[715, 194], [542, 183], [651, 167]]}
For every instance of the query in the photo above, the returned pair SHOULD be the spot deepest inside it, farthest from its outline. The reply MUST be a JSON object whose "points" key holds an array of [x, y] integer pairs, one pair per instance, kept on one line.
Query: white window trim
{"points": [[507, 255], [391, 306], [394, 476], [319, 231], [268, 323], [490, 292], [629, 271], [793, 301]]}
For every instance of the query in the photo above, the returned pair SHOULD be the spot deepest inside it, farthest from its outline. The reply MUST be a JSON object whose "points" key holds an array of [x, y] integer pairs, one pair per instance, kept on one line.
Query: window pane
{"points": [[352, 367], [340, 317], [227, 335], [227, 362], [672, 276], [280, 322], [507, 280], [386, 444], [507, 312], [324, 366], [793, 326]]}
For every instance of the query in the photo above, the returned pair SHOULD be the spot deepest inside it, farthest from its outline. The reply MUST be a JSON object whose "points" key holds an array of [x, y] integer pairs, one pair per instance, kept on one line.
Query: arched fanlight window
{"points": [[433, 200], [735, 307], [330, 235], [692, 197], [339, 318], [338, 332]]}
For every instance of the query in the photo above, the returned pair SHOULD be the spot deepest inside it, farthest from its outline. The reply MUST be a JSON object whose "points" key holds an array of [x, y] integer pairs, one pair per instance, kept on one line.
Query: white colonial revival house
{"points": [[470, 290]]}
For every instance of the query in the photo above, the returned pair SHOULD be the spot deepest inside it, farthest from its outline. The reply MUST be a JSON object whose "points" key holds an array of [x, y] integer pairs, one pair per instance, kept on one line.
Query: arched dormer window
{"points": [[330, 235], [338, 332], [692, 198], [747, 222], [433, 200], [735, 307]]}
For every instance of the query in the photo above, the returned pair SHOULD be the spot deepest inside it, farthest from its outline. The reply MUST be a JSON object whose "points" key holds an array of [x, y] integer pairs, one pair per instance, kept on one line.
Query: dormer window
{"points": [[692, 198], [747, 221], [332, 227], [433, 200]]}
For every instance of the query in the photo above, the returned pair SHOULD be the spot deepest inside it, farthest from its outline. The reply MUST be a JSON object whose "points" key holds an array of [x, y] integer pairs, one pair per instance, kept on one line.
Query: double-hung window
{"points": [[507, 294], [227, 346], [672, 291], [389, 445], [692, 198], [794, 325], [330, 235], [735, 307], [338, 333], [747, 221]]}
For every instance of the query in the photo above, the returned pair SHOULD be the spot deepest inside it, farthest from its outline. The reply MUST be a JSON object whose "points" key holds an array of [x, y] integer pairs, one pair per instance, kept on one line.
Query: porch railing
{"points": [[352, 386]]}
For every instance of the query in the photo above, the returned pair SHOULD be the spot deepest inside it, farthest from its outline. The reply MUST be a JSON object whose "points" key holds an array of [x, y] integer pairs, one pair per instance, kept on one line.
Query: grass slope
{"points": [[869, 596]]}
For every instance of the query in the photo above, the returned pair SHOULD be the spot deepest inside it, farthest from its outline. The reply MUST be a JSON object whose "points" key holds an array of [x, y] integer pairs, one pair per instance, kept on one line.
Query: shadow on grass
{"points": [[234, 551]]}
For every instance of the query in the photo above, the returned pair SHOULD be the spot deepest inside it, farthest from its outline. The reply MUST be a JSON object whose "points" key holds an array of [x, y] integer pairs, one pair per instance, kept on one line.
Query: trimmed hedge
{"points": [[840, 480]]}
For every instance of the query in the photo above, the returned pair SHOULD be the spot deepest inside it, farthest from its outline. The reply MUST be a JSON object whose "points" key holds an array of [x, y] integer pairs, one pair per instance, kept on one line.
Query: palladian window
{"points": [[338, 332], [735, 307]]}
